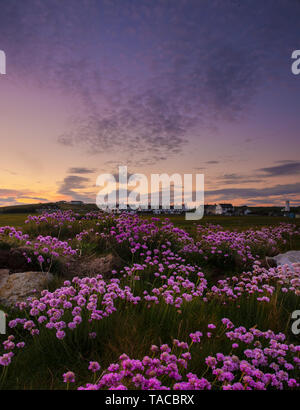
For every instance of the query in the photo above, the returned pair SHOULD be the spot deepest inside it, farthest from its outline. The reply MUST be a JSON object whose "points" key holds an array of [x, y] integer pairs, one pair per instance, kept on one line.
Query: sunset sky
{"points": [[186, 86]]}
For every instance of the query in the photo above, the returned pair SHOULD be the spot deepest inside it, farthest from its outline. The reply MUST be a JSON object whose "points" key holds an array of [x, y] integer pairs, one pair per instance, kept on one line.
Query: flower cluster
{"points": [[264, 360], [56, 218], [214, 244], [9, 346], [42, 248], [86, 299], [260, 282]]}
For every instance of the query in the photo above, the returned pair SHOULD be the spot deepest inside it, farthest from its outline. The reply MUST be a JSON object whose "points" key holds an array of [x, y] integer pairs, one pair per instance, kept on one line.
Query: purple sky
{"points": [[170, 86]]}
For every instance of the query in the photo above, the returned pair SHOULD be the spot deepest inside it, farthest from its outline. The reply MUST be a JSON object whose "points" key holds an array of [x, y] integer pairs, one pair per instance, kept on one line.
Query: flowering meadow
{"points": [[196, 309]]}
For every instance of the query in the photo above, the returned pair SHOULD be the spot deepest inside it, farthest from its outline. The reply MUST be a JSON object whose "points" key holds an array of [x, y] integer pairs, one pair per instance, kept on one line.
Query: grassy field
{"points": [[238, 223], [227, 222], [17, 220], [233, 222]]}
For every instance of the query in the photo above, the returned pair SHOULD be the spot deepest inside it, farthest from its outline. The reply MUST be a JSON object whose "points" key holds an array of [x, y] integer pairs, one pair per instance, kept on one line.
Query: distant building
{"points": [[287, 210], [226, 209], [173, 210], [209, 209], [242, 210], [219, 209]]}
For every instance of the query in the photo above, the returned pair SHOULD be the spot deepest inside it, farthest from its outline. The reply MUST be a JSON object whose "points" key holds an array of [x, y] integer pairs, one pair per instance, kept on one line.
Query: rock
{"points": [[289, 258], [19, 286], [4, 274], [102, 266], [93, 266]]}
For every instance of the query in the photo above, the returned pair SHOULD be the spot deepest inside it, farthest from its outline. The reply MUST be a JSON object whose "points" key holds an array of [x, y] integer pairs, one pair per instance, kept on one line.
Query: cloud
{"points": [[9, 172], [273, 202], [8, 199], [72, 183], [137, 125], [35, 198], [230, 179], [285, 161], [6, 192], [286, 168], [13, 196], [237, 193], [155, 117], [81, 170]]}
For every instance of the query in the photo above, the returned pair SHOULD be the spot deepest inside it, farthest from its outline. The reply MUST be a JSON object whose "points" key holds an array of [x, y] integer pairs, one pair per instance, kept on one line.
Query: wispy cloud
{"points": [[75, 186], [234, 179], [13, 196], [236, 193], [286, 168], [81, 170]]}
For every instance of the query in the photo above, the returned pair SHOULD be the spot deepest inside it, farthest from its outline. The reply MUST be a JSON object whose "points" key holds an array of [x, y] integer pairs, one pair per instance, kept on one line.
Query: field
{"points": [[191, 305], [17, 220], [232, 222]]}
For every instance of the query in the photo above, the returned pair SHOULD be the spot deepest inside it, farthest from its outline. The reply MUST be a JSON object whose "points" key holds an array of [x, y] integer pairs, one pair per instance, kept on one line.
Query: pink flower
{"points": [[94, 367], [69, 377]]}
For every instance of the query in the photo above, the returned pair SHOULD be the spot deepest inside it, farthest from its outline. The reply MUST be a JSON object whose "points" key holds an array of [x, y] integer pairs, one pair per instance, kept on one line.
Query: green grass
{"points": [[231, 222], [17, 220], [132, 330], [227, 222]]}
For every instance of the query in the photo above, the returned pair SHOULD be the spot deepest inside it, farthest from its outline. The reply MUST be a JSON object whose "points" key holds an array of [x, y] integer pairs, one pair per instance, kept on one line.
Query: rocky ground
{"points": [[18, 281]]}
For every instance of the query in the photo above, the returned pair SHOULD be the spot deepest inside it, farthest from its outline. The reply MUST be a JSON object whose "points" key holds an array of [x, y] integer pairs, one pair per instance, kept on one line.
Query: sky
{"points": [[161, 86]]}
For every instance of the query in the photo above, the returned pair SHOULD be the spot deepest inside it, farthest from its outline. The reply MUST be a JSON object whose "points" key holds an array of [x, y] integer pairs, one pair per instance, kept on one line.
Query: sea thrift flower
{"points": [[69, 377], [94, 367]]}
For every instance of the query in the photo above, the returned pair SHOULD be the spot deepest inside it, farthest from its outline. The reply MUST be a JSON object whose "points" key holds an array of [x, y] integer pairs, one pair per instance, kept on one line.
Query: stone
{"points": [[93, 266], [100, 266], [289, 258], [4, 274], [19, 286]]}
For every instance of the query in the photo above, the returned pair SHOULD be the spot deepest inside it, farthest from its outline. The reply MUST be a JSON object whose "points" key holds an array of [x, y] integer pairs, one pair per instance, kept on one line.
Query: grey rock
{"points": [[19, 286], [289, 258]]}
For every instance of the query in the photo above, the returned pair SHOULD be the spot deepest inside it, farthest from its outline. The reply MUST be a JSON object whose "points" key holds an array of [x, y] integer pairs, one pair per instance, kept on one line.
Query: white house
{"points": [[219, 209]]}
